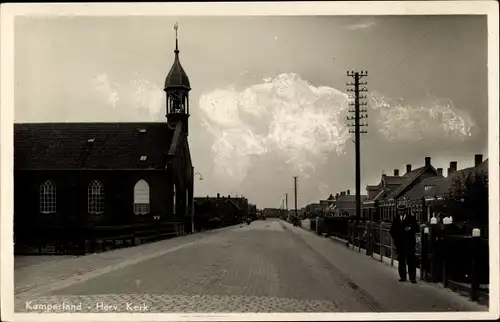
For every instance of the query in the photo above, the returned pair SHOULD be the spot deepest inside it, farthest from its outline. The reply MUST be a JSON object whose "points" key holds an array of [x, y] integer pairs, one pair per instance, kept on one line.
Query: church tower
{"points": [[177, 88]]}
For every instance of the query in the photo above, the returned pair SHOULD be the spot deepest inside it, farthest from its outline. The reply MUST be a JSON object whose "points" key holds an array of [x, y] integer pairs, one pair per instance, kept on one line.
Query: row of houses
{"points": [[226, 210], [343, 204], [423, 188]]}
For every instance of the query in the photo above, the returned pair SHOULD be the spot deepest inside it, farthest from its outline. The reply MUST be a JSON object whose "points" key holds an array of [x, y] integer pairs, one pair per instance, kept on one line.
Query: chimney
{"points": [[348, 192], [478, 159], [342, 193], [218, 195], [453, 165], [440, 171], [228, 196], [452, 168], [396, 172], [427, 161], [337, 195], [408, 168]]}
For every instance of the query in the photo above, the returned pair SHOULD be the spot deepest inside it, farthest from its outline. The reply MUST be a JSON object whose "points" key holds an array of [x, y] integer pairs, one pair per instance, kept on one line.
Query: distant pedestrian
{"points": [[403, 230]]}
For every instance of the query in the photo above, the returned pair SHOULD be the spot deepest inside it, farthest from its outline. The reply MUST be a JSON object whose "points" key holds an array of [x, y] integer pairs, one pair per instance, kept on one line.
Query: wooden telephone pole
{"points": [[356, 103], [295, 193], [286, 203]]}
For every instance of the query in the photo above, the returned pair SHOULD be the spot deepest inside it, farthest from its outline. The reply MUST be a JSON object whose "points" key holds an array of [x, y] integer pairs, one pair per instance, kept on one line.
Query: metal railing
{"points": [[80, 240], [459, 261]]}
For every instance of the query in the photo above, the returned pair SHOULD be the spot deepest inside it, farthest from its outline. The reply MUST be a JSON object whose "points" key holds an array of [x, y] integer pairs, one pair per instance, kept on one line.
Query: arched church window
{"points": [[141, 198], [174, 197], [47, 198], [96, 198]]}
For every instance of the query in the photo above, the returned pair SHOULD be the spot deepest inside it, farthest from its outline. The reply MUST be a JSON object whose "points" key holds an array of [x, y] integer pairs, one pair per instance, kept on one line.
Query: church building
{"points": [[106, 174]]}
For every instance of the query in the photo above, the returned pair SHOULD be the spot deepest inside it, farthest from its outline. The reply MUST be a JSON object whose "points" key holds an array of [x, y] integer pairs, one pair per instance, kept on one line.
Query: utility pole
{"points": [[295, 193], [286, 202], [357, 127]]}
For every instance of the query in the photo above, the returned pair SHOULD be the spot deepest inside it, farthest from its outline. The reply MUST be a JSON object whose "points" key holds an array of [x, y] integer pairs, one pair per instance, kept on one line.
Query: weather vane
{"points": [[176, 26]]}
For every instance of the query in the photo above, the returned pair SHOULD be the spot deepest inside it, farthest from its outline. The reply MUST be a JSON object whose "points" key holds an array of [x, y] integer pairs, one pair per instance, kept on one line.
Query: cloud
{"points": [[398, 120], [303, 125], [361, 25], [108, 89], [133, 98]]}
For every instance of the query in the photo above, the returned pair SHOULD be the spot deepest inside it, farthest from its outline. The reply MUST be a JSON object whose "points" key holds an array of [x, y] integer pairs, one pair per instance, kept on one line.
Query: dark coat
{"points": [[403, 232]]}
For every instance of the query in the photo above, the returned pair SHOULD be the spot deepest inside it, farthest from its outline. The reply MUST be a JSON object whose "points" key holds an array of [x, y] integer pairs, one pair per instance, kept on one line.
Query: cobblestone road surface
{"points": [[268, 266]]}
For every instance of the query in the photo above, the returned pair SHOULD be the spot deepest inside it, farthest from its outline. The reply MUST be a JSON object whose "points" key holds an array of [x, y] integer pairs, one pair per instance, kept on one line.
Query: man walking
{"points": [[403, 230]]}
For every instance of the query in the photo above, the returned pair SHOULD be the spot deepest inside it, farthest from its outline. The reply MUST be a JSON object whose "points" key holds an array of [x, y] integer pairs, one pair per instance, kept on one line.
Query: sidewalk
{"points": [[38, 279], [381, 280]]}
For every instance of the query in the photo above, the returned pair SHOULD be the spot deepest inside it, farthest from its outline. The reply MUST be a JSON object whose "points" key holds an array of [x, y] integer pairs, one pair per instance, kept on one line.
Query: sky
{"points": [[268, 99]]}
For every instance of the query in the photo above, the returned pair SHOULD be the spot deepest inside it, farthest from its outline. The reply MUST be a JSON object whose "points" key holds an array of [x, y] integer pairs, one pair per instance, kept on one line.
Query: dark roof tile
{"points": [[441, 185], [393, 180], [408, 178], [68, 145]]}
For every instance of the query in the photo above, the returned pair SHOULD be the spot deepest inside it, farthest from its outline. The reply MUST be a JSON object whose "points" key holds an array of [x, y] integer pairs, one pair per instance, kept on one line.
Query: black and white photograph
{"points": [[250, 160]]}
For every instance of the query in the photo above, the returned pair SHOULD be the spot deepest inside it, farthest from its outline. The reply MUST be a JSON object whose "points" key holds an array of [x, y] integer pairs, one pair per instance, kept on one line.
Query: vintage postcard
{"points": [[249, 161]]}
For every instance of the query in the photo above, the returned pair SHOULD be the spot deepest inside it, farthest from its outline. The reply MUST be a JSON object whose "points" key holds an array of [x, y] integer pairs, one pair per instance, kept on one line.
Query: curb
{"points": [[395, 265], [119, 258]]}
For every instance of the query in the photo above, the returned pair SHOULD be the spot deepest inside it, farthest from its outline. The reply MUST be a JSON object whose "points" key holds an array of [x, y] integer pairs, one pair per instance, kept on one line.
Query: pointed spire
{"points": [[177, 76], [176, 27]]}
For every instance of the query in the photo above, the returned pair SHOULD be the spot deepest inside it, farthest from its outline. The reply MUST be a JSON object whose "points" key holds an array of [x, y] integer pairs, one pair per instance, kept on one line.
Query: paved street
{"points": [[268, 266]]}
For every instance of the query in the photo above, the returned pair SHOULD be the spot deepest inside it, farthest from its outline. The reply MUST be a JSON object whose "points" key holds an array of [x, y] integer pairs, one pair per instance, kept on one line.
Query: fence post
{"points": [[369, 238], [392, 252], [476, 233], [359, 236], [381, 241], [433, 247], [444, 260], [424, 235], [353, 232]]}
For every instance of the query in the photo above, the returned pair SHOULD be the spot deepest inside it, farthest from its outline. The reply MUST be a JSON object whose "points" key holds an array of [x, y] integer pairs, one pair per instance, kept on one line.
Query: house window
{"points": [[141, 198], [96, 198], [173, 199], [47, 198]]}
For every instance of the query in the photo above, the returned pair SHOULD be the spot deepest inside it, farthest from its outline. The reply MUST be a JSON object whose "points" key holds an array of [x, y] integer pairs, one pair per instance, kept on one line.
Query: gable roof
{"points": [[441, 185], [233, 203], [91, 145], [409, 178], [331, 197], [483, 167], [380, 194], [393, 180]]}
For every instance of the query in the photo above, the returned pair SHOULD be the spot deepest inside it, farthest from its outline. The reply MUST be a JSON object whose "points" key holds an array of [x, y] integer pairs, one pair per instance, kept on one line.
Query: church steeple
{"points": [[177, 87]]}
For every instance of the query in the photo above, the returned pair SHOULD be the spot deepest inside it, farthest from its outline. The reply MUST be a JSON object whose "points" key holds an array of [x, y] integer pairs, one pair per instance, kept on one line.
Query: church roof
{"points": [[177, 76], [91, 145]]}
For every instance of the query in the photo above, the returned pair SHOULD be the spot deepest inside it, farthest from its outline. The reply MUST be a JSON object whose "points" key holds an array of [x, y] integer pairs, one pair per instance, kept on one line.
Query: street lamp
{"points": [[192, 202]]}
